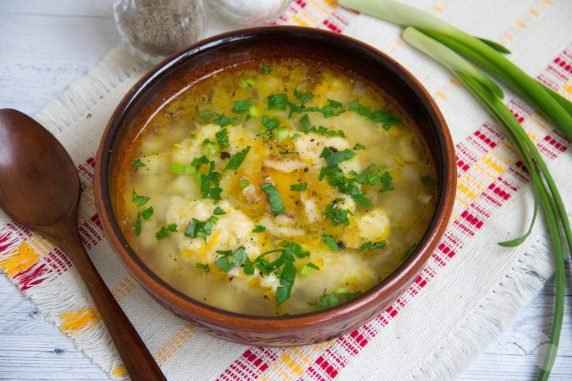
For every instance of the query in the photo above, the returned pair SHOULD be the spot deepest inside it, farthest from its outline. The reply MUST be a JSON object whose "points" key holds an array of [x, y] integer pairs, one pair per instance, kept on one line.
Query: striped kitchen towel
{"points": [[468, 291]]}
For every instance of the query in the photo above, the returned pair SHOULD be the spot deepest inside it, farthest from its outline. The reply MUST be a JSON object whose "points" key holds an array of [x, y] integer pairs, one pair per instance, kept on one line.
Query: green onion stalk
{"points": [[448, 45], [485, 53]]}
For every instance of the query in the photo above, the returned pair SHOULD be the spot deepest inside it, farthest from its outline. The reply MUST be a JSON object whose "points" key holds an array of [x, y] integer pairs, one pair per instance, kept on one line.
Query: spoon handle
{"points": [[139, 363]]}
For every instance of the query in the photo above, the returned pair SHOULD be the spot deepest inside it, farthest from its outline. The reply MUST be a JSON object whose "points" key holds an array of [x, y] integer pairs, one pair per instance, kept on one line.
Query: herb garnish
{"points": [[409, 251], [338, 296], [372, 245], [266, 69], [335, 157], [222, 138], [276, 204], [203, 266], [138, 164], [236, 160], [305, 270], [270, 124], [386, 119], [230, 259], [332, 108], [139, 200], [241, 106], [336, 214], [259, 229], [331, 242], [307, 128], [277, 101], [283, 267], [201, 229], [147, 213], [300, 187], [166, 231], [428, 181], [210, 116], [218, 211], [137, 227]]}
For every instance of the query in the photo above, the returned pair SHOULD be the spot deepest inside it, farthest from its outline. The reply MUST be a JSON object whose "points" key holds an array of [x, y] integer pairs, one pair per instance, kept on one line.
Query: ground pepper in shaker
{"points": [[154, 29]]}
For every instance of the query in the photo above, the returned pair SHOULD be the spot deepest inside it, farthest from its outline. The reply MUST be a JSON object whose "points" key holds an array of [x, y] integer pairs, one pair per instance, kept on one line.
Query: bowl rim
{"points": [[160, 289]]}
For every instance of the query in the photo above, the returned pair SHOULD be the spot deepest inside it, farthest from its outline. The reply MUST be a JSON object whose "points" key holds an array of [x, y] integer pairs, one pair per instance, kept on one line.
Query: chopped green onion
{"points": [[236, 160], [210, 149], [203, 266], [258, 229], [243, 183], [137, 227], [334, 158], [300, 187], [280, 134], [372, 245], [410, 250], [276, 204], [359, 147], [428, 181], [544, 186]]}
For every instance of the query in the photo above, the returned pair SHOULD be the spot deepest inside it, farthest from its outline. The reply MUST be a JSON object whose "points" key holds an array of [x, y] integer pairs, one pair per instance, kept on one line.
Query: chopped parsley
{"points": [[359, 147], [336, 214], [303, 98], [241, 106], [371, 245], [210, 116], [277, 101], [386, 182], [330, 242], [147, 213], [307, 128], [138, 164], [283, 267], [201, 229], [386, 119], [203, 266], [210, 182], [428, 181], [270, 124], [139, 200], [166, 231], [218, 211], [259, 229], [265, 69], [222, 138], [305, 270], [332, 108], [276, 204], [300, 187], [335, 157], [230, 259], [236, 160]]}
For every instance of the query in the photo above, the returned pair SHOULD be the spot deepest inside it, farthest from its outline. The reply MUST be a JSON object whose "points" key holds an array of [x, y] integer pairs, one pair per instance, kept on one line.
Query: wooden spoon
{"points": [[39, 188]]}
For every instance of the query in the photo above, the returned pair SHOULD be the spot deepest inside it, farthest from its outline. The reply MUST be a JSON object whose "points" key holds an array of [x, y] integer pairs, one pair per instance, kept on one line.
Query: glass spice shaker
{"points": [[154, 29]]}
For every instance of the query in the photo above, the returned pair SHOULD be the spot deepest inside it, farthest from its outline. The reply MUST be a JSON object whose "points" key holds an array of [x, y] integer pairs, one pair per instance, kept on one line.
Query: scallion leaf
{"points": [[276, 204], [236, 160]]}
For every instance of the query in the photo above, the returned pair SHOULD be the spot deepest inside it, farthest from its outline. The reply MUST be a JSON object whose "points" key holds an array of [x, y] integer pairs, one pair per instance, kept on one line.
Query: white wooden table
{"points": [[46, 45]]}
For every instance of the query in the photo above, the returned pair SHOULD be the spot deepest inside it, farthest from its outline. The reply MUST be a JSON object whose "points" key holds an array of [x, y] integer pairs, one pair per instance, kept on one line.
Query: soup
{"points": [[277, 188]]}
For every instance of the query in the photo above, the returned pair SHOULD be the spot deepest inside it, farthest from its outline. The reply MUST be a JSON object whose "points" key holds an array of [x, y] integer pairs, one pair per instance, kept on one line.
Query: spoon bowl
{"points": [[40, 189]]}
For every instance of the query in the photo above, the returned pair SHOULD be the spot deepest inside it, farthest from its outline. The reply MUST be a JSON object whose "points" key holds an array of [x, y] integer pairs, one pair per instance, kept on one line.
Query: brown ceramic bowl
{"points": [[210, 55]]}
